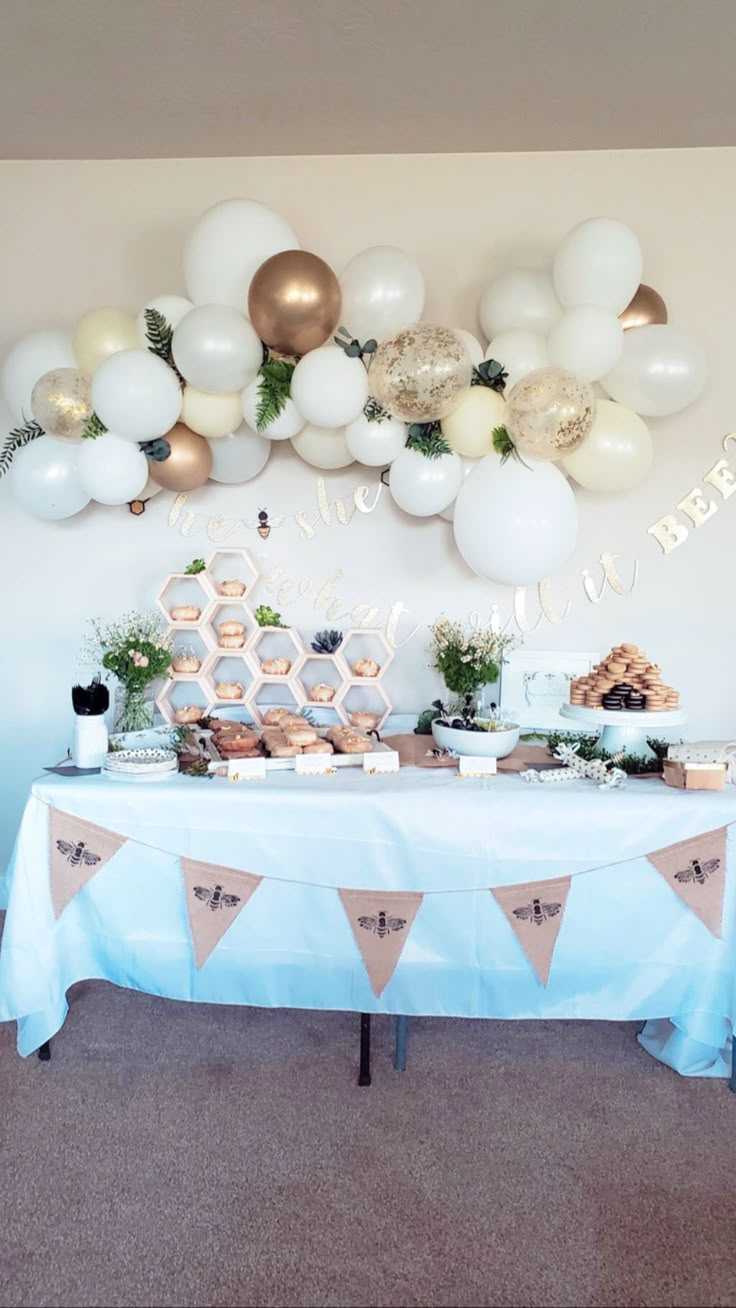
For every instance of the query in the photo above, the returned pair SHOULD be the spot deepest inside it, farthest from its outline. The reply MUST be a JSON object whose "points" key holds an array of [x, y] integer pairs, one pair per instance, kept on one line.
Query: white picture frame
{"points": [[536, 683]]}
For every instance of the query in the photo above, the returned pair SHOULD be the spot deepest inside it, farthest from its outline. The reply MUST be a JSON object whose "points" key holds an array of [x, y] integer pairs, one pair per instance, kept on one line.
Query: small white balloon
{"points": [[375, 443], [150, 490], [173, 308], [136, 395], [288, 423], [211, 415], [112, 470], [515, 523], [328, 387], [423, 486], [240, 456], [226, 247], [468, 466], [519, 352], [44, 478], [323, 447], [217, 349], [617, 453], [472, 345], [660, 371], [598, 262], [30, 359], [382, 291], [587, 341], [519, 298]]}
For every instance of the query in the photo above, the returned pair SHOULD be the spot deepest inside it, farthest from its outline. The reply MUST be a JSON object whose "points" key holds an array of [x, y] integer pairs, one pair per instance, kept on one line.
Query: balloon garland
{"points": [[199, 386]]}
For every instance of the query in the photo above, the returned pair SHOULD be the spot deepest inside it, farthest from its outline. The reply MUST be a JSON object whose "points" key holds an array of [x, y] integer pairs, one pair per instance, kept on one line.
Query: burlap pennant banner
{"points": [[77, 850], [535, 910], [380, 922], [215, 896], [696, 870]]}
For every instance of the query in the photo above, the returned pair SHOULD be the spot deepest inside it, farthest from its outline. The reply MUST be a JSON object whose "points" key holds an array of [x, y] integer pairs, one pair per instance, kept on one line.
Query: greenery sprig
{"points": [[160, 335], [265, 616], [93, 428], [352, 346], [196, 566], [490, 373], [274, 390], [503, 445], [427, 438], [375, 412], [632, 764], [17, 438]]}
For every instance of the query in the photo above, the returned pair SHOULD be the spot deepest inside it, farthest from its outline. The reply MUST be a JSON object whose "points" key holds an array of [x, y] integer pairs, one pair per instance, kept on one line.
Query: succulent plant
{"points": [[326, 642]]}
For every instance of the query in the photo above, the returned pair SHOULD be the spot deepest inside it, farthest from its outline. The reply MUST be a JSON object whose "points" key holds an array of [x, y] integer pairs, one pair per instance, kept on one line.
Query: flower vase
{"points": [[133, 708]]}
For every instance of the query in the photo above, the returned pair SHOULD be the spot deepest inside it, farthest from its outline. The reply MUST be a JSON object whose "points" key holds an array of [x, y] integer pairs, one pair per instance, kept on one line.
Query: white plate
{"points": [[138, 776], [141, 760]]}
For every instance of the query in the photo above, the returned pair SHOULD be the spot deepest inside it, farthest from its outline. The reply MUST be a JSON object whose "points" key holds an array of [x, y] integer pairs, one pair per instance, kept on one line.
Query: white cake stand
{"points": [[623, 733]]}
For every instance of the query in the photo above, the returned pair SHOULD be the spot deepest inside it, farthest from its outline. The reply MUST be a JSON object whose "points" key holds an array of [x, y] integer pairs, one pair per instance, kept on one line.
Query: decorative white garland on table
{"points": [[579, 769]]}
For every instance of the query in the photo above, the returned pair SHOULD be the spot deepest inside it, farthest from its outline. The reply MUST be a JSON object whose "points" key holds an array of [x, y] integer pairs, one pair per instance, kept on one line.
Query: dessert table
{"points": [[629, 948]]}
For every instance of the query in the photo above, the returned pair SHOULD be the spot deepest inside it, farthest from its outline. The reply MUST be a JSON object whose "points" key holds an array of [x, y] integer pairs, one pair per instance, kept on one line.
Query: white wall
{"points": [[81, 234]]}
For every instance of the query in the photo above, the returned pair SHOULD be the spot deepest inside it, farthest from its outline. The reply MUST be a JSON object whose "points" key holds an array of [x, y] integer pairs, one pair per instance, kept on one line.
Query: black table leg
{"points": [[364, 1072], [732, 1082], [44, 1051]]}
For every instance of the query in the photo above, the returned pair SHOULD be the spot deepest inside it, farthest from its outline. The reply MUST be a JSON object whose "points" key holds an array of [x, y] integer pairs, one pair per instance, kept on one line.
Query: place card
{"points": [[311, 765], [246, 769], [384, 760], [478, 766]]}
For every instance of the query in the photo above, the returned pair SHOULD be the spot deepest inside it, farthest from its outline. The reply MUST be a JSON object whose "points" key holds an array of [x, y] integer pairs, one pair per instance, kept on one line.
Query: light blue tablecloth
{"points": [[628, 948]]}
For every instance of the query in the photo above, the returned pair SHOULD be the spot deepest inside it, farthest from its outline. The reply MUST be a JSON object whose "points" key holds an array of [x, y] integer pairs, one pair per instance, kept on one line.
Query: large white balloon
{"points": [[28, 360], [598, 262], [423, 486], [375, 444], [136, 395], [515, 522], [217, 349], [382, 291], [211, 415], [328, 387], [519, 352], [239, 456], [44, 478], [173, 308], [288, 423], [227, 246], [469, 428], [616, 454], [587, 341], [472, 345], [660, 371], [468, 466], [323, 447], [519, 298], [112, 470]]}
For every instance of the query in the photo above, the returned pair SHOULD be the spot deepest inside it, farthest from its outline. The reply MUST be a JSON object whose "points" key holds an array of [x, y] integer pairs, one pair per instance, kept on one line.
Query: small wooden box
{"points": [[695, 776]]}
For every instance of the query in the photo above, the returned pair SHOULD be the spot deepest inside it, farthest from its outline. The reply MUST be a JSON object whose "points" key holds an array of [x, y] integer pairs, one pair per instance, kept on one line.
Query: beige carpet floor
{"points": [[180, 1155]]}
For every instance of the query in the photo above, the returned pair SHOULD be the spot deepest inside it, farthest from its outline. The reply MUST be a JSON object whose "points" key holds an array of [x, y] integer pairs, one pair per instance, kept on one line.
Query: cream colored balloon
{"points": [[211, 415], [323, 447], [100, 333], [616, 454], [469, 428]]}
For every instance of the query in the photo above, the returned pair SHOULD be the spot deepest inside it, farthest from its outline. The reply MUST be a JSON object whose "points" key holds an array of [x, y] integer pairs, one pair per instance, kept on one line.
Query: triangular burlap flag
{"points": [[696, 871], [535, 910], [380, 922], [77, 849], [215, 896]]}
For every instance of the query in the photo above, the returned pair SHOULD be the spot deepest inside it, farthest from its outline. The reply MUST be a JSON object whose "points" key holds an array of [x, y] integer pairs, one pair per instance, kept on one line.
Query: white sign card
{"points": [[246, 769], [310, 765], [384, 760], [476, 766]]}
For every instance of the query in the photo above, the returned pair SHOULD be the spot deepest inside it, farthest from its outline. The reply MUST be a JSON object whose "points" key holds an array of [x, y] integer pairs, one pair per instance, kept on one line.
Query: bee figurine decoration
{"points": [[264, 526]]}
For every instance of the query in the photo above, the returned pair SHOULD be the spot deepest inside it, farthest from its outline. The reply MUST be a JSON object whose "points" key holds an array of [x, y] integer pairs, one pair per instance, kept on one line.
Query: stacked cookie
{"points": [[625, 681]]}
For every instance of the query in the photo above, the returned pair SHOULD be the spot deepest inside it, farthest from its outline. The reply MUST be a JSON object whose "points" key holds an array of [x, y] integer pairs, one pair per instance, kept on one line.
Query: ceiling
{"points": [[190, 78]]}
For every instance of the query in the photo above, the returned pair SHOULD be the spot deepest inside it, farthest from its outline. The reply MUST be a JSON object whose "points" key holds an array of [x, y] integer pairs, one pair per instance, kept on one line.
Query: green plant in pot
{"points": [[468, 660]]}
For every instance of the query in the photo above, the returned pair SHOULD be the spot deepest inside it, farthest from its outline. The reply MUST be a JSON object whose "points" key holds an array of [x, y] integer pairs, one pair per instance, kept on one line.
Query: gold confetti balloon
{"points": [[61, 403], [549, 413], [421, 373]]}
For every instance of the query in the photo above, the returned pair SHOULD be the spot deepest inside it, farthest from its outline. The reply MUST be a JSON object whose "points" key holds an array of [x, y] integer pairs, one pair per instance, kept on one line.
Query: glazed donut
{"points": [[185, 663], [231, 628], [353, 745], [185, 613], [189, 713], [231, 587], [276, 667], [319, 747], [366, 668], [322, 693], [229, 690], [366, 721], [305, 735], [273, 716], [231, 642], [285, 751]]}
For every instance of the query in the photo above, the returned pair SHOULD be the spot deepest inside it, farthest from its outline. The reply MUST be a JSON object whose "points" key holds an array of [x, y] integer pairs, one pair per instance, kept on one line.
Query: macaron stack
{"points": [[625, 681]]}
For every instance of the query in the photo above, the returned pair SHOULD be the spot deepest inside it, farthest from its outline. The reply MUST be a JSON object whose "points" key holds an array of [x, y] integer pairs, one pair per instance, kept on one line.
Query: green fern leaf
{"points": [[18, 437], [93, 428], [427, 438], [273, 391], [160, 336], [503, 445]]}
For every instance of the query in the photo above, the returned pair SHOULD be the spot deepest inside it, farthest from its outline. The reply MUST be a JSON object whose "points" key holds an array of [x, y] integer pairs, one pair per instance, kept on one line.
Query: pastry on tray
{"points": [[625, 681], [273, 716], [303, 735], [365, 721], [189, 713]]}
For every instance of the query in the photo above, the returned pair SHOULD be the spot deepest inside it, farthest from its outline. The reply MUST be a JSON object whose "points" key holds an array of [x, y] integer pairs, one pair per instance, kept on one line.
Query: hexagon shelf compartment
{"points": [[276, 692], [276, 642], [231, 667], [181, 588], [230, 610], [363, 695], [183, 692], [322, 669], [231, 565], [191, 643], [365, 642]]}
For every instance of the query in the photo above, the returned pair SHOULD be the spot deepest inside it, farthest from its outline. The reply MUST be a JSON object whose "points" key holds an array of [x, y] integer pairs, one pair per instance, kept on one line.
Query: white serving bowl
{"points": [[489, 744]]}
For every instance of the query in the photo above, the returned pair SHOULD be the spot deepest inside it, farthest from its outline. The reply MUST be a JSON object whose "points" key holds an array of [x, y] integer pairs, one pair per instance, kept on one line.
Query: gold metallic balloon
{"points": [[294, 302], [549, 413], [421, 373], [61, 403], [646, 308], [189, 464]]}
